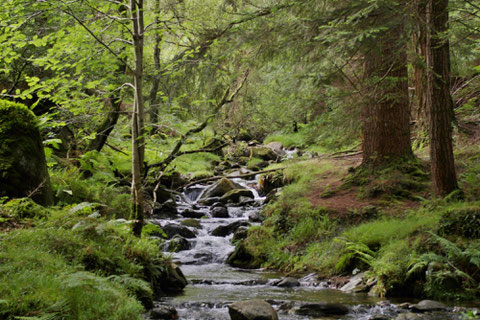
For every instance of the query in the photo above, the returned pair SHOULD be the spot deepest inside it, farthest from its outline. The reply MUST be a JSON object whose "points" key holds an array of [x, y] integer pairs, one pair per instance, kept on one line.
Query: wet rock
{"points": [[428, 305], [23, 168], [220, 212], [218, 205], [276, 147], [189, 213], [379, 317], [272, 196], [264, 153], [209, 201], [355, 284], [178, 243], [194, 223], [234, 196], [288, 282], [408, 316], [203, 257], [172, 280], [175, 229], [241, 258], [220, 188], [252, 310], [163, 312], [168, 209], [240, 234], [223, 231], [321, 309]]}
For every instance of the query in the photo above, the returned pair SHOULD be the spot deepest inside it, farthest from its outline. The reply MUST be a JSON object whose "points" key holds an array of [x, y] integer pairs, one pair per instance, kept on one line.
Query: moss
{"points": [[23, 169]]}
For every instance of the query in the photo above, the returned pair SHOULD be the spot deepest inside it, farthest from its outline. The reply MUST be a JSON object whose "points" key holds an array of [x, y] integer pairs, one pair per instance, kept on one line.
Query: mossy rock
{"points": [[23, 168], [242, 258], [220, 188], [194, 223], [264, 153]]}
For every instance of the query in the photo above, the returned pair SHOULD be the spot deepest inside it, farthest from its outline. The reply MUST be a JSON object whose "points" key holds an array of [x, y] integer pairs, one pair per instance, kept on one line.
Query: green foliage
{"points": [[451, 270], [464, 222], [21, 209], [77, 267]]}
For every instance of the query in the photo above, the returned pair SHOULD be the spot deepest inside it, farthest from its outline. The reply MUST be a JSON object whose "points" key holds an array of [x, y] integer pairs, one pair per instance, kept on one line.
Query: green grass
{"points": [[70, 266]]}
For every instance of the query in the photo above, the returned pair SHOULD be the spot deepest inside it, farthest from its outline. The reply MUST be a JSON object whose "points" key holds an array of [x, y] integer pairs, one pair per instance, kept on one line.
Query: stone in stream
{"points": [[220, 188], [172, 280], [189, 213], [178, 243], [163, 312], [408, 316], [23, 168], [355, 284], [252, 310], [220, 212], [174, 229], [209, 201], [264, 153], [256, 216], [288, 282], [225, 230], [235, 196], [321, 309], [428, 305], [241, 258], [166, 210], [240, 234]]}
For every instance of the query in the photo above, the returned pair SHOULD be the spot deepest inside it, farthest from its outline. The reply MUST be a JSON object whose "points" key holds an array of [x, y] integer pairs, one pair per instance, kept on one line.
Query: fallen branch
{"points": [[227, 98], [246, 175], [346, 155], [116, 149]]}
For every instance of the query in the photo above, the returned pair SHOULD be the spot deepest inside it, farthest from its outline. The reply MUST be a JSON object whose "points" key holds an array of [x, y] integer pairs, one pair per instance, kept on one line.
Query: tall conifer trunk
{"points": [[386, 115], [439, 102]]}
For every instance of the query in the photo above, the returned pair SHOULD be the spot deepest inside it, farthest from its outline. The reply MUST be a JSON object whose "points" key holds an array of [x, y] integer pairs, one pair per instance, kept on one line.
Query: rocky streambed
{"points": [[200, 226]]}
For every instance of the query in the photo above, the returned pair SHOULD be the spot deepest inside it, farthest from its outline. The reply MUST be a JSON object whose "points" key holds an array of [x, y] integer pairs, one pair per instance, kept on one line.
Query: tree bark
{"points": [[156, 78], [439, 101], [386, 115], [138, 140]]}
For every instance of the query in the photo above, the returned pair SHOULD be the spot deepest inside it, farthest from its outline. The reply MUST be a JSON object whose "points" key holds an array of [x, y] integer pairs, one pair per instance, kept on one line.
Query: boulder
{"points": [[241, 258], [168, 209], [321, 309], [276, 147], [194, 223], [355, 284], [163, 195], [225, 230], [178, 243], [252, 310], [240, 234], [172, 279], [256, 216], [163, 312], [234, 196], [220, 212], [288, 282], [189, 213], [209, 201], [174, 229], [23, 168], [220, 188], [271, 181], [264, 153], [428, 305]]}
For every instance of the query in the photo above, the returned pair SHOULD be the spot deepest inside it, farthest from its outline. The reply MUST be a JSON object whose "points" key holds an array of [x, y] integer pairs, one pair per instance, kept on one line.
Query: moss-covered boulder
{"points": [[220, 188], [23, 169]]}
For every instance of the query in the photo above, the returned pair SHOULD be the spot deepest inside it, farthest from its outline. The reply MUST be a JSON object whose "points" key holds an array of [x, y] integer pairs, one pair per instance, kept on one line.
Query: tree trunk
{"points": [[156, 78], [386, 116], [439, 101], [138, 141], [107, 125], [419, 43]]}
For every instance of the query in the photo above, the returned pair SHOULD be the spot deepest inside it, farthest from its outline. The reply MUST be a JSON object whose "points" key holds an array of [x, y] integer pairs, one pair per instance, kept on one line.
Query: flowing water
{"points": [[213, 285]]}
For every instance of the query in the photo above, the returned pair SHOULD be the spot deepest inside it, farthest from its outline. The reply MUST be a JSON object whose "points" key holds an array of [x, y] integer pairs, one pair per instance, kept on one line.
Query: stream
{"points": [[213, 284]]}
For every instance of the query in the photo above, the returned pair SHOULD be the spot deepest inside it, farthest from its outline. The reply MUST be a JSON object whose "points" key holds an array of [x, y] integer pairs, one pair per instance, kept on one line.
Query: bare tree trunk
{"points": [[156, 78], [138, 140], [386, 116], [439, 102]]}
